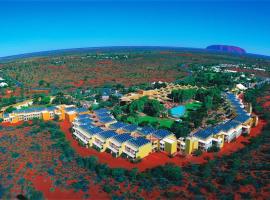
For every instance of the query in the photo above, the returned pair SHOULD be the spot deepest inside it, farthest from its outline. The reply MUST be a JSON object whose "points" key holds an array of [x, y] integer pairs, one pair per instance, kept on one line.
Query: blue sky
{"points": [[29, 26]]}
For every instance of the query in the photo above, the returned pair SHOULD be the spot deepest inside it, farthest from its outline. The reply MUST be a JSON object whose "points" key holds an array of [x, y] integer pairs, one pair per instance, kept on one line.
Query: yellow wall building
{"points": [[191, 145], [101, 140], [117, 143], [137, 148]]}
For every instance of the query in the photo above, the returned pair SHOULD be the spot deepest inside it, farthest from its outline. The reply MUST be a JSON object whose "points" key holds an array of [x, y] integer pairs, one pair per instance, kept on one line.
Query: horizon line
{"points": [[122, 46]]}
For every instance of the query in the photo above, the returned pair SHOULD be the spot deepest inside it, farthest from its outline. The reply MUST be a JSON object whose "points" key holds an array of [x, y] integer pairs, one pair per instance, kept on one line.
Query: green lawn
{"points": [[164, 122], [192, 106]]}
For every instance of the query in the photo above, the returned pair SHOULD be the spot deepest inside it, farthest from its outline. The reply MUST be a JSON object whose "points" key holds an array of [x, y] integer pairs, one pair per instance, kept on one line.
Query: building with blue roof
{"points": [[162, 133], [82, 116], [130, 128], [81, 110], [147, 130], [45, 113], [116, 143], [102, 115], [83, 121], [107, 121], [137, 148], [117, 125], [101, 140], [102, 110], [85, 133]]}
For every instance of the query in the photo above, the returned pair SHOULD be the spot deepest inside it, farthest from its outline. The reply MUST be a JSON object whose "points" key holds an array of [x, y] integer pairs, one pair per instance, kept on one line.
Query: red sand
{"points": [[44, 184], [158, 158], [80, 83], [266, 104]]}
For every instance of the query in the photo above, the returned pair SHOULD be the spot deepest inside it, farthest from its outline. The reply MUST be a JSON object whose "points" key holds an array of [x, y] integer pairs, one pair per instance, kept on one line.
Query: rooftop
{"points": [[130, 127], [147, 130], [118, 125], [122, 138], [138, 142], [162, 133], [106, 119], [107, 134]]}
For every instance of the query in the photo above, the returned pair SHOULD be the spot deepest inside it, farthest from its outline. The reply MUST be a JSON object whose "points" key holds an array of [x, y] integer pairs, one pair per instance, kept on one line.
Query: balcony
{"points": [[130, 154], [97, 144], [114, 150], [80, 138]]}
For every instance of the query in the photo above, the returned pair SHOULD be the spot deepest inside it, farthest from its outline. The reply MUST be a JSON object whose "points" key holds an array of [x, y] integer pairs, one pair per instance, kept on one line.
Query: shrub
{"points": [[197, 152]]}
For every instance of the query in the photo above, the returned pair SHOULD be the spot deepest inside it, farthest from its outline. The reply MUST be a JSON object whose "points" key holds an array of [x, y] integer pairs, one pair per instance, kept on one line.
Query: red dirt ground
{"points": [[159, 158]]}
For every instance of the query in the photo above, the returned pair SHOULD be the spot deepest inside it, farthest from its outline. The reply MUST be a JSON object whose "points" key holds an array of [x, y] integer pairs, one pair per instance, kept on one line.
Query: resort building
{"points": [[158, 94], [102, 117], [117, 126], [101, 140], [72, 112], [117, 143], [241, 122], [45, 113], [83, 134], [145, 131], [163, 140], [130, 128], [137, 148], [83, 119], [189, 145]]}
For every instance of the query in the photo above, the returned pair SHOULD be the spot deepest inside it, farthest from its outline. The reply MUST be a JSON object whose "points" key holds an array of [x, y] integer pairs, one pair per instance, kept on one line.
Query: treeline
{"points": [[144, 105], [252, 95], [209, 79]]}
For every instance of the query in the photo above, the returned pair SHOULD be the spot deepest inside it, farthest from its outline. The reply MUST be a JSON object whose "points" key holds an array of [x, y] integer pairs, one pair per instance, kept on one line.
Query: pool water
{"points": [[178, 111]]}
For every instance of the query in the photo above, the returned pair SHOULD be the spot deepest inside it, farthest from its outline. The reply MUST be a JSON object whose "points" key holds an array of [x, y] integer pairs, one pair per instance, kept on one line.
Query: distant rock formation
{"points": [[226, 48]]}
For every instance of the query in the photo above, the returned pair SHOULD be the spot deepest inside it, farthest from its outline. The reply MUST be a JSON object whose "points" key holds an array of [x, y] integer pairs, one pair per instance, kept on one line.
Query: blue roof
{"points": [[106, 120], [203, 134], [107, 134], [229, 125], [103, 115], [85, 121], [217, 129], [147, 130], [86, 128], [102, 110], [118, 125], [139, 141], [130, 127], [91, 129], [80, 110], [242, 118], [106, 91], [83, 116], [5, 115], [69, 109], [122, 137], [162, 133], [51, 108], [35, 109]]}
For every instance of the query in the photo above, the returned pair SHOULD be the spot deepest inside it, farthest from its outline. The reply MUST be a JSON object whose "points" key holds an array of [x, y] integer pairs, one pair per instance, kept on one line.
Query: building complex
{"points": [[100, 130]]}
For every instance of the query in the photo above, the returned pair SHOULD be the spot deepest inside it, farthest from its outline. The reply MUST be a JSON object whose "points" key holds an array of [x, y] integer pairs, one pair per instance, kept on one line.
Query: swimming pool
{"points": [[178, 111]]}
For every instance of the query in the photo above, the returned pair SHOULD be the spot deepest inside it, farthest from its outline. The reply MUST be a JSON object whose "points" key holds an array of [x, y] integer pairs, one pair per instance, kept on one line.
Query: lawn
{"points": [[163, 122], [192, 106]]}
